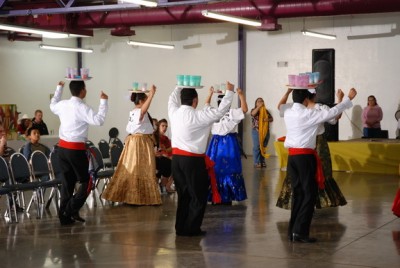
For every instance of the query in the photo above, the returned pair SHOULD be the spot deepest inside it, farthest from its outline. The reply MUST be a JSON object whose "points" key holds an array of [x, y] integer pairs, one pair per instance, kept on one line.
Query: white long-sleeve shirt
{"points": [[317, 106], [76, 116], [302, 123], [321, 127], [227, 124], [190, 128]]}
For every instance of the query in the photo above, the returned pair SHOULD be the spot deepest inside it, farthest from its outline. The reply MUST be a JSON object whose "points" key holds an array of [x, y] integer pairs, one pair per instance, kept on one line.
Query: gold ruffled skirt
{"points": [[134, 181]]}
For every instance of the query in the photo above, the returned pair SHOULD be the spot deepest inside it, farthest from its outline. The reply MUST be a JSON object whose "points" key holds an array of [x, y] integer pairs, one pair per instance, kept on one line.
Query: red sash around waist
{"points": [[72, 145], [178, 151], [319, 176], [216, 198]]}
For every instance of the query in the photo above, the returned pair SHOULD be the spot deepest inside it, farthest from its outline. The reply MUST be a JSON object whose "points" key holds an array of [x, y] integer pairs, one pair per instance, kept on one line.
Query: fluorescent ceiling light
{"points": [[71, 49], [320, 35], [44, 33], [230, 18], [146, 44], [146, 3]]}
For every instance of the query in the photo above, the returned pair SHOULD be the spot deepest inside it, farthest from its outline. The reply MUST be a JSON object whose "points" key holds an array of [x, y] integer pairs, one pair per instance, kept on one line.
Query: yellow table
{"points": [[361, 155]]}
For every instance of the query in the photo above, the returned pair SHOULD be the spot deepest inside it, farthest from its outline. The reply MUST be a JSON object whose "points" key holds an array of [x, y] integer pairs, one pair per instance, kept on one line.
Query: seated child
{"points": [[33, 144]]}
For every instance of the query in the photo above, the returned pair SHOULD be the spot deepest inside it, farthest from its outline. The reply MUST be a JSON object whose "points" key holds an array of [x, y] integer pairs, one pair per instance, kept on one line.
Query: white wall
{"points": [[206, 50], [370, 65], [29, 75]]}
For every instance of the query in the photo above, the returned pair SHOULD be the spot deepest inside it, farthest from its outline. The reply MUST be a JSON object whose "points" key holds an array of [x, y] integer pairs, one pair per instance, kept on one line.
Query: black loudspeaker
{"points": [[323, 61], [331, 132]]}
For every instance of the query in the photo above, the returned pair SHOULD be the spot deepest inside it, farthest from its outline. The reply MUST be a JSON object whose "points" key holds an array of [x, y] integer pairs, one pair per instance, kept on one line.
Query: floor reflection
{"points": [[251, 233]]}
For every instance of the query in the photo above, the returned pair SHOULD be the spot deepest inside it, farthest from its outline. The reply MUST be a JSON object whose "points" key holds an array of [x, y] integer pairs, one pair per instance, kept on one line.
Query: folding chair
{"points": [[89, 143], [115, 153], [24, 181], [42, 172], [56, 175], [98, 172], [104, 148], [7, 189]]}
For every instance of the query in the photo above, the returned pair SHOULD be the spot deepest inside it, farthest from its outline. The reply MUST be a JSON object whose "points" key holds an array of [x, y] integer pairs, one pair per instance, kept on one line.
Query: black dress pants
{"points": [[75, 167], [191, 183], [301, 169]]}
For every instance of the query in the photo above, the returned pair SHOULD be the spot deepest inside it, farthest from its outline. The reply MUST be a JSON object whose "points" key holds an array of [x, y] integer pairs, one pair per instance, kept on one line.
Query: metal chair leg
{"points": [[50, 198]]}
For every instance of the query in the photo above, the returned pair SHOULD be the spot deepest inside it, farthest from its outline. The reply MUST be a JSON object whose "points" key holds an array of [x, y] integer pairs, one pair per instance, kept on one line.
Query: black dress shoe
{"points": [[181, 234], [65, 219], [76, 217], [303, 239], [199, 233], [290, 237]]}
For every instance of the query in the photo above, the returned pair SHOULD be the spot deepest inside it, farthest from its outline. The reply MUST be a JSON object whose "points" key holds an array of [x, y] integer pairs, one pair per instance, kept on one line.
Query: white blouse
{"points": [[228, 123], [135, 126]]}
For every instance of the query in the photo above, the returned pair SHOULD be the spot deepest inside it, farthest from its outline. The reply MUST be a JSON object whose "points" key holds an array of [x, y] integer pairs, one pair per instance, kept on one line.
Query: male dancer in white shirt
{"points": [[302, 125], [190, 129], [75, 117]]}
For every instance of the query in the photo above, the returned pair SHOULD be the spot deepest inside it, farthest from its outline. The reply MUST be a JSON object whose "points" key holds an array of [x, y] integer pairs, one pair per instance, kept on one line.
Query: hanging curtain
{"points": [[9, 119]]}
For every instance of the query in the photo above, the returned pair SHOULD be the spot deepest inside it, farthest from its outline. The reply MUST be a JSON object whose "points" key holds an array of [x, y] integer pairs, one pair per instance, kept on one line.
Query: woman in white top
{"points": [[134, 181], [224, 150]]}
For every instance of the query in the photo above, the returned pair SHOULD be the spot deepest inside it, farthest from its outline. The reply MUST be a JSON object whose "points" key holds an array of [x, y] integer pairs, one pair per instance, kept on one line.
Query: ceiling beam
{"points": [[79, 9], [64, 10], [2, 2]]}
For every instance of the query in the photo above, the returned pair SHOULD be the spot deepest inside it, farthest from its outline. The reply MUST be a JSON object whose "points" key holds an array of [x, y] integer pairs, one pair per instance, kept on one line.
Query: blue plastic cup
{"points": [[135, 85], [197, 80], [315, 77], [179, 79], [310, 77], [192, 80], [186, 80]]}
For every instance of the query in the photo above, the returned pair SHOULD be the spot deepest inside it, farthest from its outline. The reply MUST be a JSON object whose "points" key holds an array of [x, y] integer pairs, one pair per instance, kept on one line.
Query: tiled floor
{"points": [[364, 233]]}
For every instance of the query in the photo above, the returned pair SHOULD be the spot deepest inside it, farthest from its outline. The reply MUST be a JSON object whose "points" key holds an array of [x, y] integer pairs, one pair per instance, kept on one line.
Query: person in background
{"points": [[224, 150], [38, 122], [371, 117], [75, 117], [33, 143], [303, 162], [134, 181], [190, 129], [260, 120], [24, 123], [163, 157], [155, 123]]}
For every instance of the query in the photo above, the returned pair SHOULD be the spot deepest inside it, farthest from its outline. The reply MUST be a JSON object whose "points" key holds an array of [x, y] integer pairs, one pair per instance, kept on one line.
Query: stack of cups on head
{"points": [[303, 79], [84, 73], [135, 86], [188, 80], [72, 72]]}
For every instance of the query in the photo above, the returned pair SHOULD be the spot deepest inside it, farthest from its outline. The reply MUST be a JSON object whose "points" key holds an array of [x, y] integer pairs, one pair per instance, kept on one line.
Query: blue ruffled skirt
{"points": [[225, 152]]}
